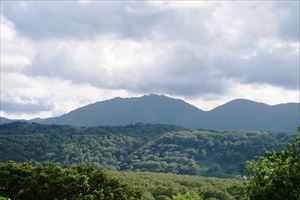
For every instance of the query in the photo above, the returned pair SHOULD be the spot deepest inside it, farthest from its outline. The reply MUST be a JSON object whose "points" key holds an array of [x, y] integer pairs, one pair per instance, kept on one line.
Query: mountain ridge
{"points": [[238, 114]]}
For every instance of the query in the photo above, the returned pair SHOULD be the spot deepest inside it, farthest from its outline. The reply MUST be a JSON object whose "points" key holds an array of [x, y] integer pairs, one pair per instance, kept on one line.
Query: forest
{"points": [[139, 147], [275, 175], [149, 100], [146, 161]]}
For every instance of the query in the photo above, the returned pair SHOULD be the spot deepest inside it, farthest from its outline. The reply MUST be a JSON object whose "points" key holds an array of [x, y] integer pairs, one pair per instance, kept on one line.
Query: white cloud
{"points": [[62, 95], [204, 52], [84, 2], [174, 5], [17, 52], [105, 62], [265, 93]]}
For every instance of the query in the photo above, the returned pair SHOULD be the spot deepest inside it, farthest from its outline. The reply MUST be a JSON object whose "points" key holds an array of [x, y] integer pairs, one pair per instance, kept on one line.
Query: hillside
{"points": [[140, 147], [242, 114], [239, 114], [4, 120], [123, 111]]}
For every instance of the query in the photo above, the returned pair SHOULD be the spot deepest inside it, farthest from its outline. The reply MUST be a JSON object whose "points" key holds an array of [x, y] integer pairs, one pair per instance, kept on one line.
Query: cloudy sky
{"points": [[57, 56]]}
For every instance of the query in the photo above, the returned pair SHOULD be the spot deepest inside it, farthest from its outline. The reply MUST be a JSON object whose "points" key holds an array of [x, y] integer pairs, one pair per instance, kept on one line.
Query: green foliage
{"points": [[140, 147], [202, 152], [180, 196], [276, 176], [166, 186], [215, 193], [50, 181]]}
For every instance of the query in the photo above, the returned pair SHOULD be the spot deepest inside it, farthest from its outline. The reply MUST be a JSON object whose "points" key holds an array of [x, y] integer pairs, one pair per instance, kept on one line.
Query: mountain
{"points": [[242, 114], [4, 120], [122, 111], [239, 114]]}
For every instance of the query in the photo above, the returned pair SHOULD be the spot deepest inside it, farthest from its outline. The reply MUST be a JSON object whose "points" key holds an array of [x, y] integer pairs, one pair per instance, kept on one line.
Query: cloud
{"points": [[257, 92], [200, 51], [17, 52], [44, 96], [141, 66], [289, 20], [271, 61], [77, 19], [19, 108], [139, 19]]}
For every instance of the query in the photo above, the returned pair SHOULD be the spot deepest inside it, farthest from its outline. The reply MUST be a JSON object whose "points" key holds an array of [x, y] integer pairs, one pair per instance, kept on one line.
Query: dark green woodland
{"points": [[139, 147], [146, 161]]}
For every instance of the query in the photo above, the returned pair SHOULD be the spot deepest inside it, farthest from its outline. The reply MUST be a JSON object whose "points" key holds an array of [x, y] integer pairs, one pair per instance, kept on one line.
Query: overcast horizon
{"points": [[57, 56], [206, 110]]}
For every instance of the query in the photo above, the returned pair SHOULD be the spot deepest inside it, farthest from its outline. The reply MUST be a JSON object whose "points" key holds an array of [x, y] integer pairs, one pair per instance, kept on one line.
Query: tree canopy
{"points": [[276, 175], [28, 181], [139, 147]]}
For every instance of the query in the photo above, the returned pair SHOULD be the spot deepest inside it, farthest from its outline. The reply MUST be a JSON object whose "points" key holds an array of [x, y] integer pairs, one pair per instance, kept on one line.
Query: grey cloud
{"points": [[28, 108], [279, 67], [186, 73], [40, 20], [290, 19], [63, 19], [183, 70], [186, 70], [278, 71], [189, 89], [206, 60]]}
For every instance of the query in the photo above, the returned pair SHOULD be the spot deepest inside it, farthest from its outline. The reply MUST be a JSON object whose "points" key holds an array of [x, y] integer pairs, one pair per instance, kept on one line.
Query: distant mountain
{"points": [[242, 114], [122, 111], [4, 120], [239, 114]]}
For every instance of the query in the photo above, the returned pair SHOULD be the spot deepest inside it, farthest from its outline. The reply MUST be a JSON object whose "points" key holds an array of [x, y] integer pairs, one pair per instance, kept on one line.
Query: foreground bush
{"points": [[276, 176], [50, 181]]}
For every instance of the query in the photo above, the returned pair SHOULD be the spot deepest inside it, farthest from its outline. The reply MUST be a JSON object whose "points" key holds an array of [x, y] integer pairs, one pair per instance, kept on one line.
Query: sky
{"points": [[59, 55]]}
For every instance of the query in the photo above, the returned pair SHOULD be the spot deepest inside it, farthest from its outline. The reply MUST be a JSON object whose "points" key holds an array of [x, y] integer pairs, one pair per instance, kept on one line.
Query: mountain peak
{"points": [[147, 96], [150, 108], [241, 104], [238, 114], [157, 96], [244, 101]]}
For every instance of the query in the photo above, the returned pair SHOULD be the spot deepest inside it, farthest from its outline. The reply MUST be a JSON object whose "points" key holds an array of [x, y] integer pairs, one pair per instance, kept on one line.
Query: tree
{"points": [[210, 193], [275, 176], [180, 196], [50, 181]]}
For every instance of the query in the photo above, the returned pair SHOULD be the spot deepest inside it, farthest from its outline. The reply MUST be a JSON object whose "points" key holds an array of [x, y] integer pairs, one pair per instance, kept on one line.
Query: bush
{"points": [[276, 176]]}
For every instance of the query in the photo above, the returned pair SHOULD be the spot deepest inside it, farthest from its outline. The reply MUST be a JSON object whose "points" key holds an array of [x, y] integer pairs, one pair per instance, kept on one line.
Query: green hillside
{"points": [[274, 175], [140, 147]]}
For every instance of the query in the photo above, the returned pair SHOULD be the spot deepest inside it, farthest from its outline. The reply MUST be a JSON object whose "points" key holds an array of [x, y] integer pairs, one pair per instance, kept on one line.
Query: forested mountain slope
{"points": [[140, 147]]}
